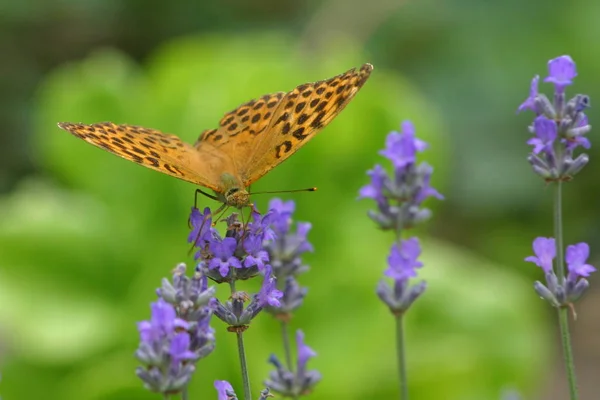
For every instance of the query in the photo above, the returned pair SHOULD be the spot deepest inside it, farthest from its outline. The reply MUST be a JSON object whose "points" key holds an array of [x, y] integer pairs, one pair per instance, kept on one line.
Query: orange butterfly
{"points": [[249, 142]]}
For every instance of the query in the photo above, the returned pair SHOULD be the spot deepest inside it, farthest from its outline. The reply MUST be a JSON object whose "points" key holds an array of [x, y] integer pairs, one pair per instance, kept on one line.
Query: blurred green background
{"points": [[85, 237]]}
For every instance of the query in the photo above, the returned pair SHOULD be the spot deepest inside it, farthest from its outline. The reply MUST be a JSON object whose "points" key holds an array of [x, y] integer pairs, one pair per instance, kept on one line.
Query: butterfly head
{"points": [[237, 197], [235, 194]]}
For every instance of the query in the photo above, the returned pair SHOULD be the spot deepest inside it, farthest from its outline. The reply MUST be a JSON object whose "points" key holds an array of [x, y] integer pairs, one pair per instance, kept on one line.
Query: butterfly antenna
{"points": [[311, 189]]}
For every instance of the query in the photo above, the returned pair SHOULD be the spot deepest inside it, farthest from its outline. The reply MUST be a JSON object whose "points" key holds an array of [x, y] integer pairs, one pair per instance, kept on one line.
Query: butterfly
{"points": [[250, 140]]}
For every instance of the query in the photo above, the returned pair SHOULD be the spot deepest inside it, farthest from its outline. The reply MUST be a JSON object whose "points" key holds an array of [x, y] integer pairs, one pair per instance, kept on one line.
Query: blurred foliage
{"points": [[85, 237]]}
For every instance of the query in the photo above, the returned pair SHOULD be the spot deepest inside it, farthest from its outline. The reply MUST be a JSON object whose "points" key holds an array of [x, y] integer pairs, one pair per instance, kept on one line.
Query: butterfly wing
{"points": [[156, 150], [299, 116], [238, 130], [262, 133]]}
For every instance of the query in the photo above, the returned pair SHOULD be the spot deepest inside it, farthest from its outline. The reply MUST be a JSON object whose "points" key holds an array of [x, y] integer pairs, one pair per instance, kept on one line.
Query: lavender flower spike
{"points": [[164, 351], [402, 265], [561, 292], [399, 197], [560, 126], [294, 384], [285, 254]]}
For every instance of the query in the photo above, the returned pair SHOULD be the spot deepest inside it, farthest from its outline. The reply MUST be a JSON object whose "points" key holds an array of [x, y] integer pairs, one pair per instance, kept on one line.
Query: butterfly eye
{"points": [[231, 191]]}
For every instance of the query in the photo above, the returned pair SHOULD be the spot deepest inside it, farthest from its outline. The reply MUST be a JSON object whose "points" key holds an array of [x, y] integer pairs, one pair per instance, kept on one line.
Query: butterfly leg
{"points": [[210, 196]]}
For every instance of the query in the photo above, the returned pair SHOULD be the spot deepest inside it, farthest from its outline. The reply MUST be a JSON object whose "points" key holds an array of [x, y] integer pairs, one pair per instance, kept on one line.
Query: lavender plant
{"points": [[558, 129], [399, 199], [285, 254], [178, 334]]}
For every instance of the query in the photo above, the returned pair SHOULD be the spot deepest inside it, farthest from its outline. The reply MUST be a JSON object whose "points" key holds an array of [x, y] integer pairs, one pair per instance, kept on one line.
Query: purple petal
{"points": [[561, 72], [545, 251], [529, 103], [576, 257], [304, 352], [222, 388]]}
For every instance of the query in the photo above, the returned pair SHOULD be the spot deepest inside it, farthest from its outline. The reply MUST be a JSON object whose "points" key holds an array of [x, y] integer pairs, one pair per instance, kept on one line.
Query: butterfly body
{"points": [[250, 140]]}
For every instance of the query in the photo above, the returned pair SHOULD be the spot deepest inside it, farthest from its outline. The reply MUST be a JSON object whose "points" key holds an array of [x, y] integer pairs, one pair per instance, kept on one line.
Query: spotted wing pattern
{"points": [[264, 132], [156, 150], [303, 113]]}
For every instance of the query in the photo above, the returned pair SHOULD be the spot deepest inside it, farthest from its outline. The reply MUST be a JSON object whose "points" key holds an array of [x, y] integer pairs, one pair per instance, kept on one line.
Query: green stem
{"points": [[558, 230], [401, 358], [184, 394], [287, 350], [563, 313], [245, 379], [286, 346]]}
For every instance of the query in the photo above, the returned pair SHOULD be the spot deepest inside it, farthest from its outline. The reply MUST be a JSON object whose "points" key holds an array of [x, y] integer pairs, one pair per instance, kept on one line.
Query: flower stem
{"points": [[184, 394], [401, 358], [245, 379], [563, 316], [286, 346]]}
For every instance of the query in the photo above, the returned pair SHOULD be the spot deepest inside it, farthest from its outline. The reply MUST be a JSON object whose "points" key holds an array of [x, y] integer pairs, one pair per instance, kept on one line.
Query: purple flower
{"points": [[426, 190], [403, 261], [223, 387], [180, 348], [256, 253], [305, 353], [576, 257], [163, 322], [401, 148], [546, 133], [561, 72], [223, 255], [294, 384], [560, 119], [374, 190], [261, 226], [399, 197], [282, 211], [545, 251], [268, 293], [164, 351], [529, 103], [201, 226]]}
